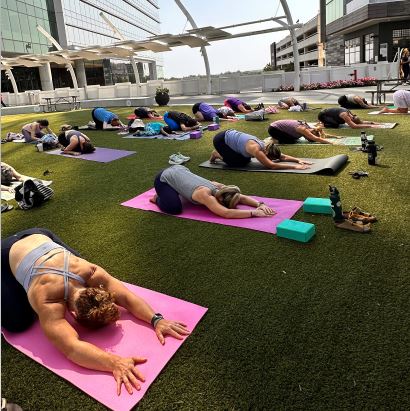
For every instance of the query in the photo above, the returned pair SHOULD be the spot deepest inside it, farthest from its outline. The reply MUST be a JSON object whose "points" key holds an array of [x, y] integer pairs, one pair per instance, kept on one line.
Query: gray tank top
{"points": [[237, 140], [184, 182]]}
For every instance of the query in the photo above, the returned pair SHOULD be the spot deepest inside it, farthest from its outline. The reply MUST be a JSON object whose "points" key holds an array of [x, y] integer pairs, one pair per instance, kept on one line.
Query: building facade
{"points": [[75, 24], [366, 31], [310, 53]]}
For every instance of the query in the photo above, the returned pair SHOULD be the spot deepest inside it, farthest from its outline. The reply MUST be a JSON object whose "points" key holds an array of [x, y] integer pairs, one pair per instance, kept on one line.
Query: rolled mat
{"points": [[129, 337], [327, 165], [284, 209]]}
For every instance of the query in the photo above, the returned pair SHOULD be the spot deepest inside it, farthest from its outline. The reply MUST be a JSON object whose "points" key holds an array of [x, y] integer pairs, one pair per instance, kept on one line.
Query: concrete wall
{"points": [[194, 86]]}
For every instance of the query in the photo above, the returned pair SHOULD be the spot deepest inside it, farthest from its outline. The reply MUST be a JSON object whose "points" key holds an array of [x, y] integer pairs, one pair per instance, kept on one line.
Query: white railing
{"points": [[195, 86]]}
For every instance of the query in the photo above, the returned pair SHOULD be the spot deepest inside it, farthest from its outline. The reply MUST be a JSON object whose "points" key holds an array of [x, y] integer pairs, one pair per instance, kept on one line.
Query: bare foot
{"points": [[154, 199]]}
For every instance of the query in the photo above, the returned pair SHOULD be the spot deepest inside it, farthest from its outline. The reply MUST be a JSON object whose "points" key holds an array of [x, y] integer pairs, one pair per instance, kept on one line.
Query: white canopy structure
{"points": [[196, 37]]}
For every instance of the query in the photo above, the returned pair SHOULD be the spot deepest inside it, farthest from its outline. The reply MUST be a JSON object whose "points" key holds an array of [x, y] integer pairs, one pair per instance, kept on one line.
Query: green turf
{"points": [[290, 326]]}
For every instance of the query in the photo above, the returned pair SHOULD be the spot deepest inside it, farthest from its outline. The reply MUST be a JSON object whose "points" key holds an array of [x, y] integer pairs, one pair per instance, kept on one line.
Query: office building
{"points": [[365, 31], [310, 53], [74, 24]]}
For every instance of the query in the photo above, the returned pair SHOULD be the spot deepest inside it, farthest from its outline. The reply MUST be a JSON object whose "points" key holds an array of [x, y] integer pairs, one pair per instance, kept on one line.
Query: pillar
{"points": [[153, 75], [45, 77], [80, 73]]}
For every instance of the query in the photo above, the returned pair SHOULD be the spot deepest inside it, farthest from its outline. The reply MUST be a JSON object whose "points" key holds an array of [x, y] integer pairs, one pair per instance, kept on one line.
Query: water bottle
{"points": [[215, 119], [336, 204], [371, 152], [363, 138]]}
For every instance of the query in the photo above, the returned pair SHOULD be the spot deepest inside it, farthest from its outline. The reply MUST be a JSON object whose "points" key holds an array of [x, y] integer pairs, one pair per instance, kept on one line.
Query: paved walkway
{"points": [[254, 97]]}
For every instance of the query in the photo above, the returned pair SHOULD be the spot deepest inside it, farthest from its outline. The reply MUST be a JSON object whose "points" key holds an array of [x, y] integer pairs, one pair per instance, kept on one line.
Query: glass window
{"points": [[5, 25], [25, 29], [352, 51], [21, 7], [15, 25], [8, 45], [30, 11], [39, 12], [369, 48], [19, 47], [33, 30], [12, 5]]}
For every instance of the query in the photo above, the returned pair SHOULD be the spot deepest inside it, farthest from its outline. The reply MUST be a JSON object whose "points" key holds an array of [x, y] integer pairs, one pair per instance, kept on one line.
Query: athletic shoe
{"points": [[181, 156], [304, 106], [174, 159]]}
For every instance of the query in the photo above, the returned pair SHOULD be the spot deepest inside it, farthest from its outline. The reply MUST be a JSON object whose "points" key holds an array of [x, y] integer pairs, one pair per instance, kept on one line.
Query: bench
{"points": [[51, 103], [380, 95]]}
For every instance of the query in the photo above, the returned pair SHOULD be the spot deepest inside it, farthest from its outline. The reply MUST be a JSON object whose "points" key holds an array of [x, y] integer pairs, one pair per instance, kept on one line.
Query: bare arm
{"points": [[311, 137], [70, 148], [33, 131], [352, 124], [399, 110], [63, 336], [185, 128], [210, 202], [263, 159], [243, 109]]}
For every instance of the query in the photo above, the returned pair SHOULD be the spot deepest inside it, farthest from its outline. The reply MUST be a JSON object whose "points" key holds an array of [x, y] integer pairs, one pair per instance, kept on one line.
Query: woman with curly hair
{"points": [[43, 277], [236, 149], [178, 181]]}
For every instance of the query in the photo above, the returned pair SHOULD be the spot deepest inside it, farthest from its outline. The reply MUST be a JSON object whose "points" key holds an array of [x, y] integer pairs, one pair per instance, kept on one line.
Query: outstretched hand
{"points": [[266, 209], [301, 167], [126, 373], [173, 328], [305, 162]]}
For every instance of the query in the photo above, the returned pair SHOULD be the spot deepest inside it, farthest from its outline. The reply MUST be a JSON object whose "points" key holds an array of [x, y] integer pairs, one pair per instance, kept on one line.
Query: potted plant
{"points": [[162, 96]]}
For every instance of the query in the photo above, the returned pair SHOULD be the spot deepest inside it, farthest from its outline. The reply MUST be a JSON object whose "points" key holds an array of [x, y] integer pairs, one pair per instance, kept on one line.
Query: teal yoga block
{"points": [[296, 230], [317, 205]]}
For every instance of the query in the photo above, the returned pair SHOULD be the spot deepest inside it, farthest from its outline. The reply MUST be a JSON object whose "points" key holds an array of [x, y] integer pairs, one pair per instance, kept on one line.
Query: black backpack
{"points": [[31, 194]]}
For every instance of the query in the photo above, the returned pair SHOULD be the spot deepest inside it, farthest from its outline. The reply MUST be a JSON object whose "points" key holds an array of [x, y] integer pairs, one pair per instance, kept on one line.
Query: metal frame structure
{"points": [[196, 37]]}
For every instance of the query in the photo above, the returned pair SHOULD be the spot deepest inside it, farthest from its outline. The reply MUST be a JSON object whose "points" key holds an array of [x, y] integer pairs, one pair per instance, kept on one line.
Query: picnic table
{"points": [[51, 102], [381, 92]]}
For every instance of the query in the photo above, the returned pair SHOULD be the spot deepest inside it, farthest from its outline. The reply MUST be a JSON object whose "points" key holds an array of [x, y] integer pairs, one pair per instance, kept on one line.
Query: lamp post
{"points": [[203, 49]]}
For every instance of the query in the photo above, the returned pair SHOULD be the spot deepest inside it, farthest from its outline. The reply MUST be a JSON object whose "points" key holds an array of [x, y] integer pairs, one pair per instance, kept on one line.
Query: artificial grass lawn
{"points": [[314, 326]]}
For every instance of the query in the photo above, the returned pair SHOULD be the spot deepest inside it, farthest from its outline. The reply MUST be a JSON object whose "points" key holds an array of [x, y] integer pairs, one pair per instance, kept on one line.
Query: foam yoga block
{"points": [[317, 206], [195, 134], [213, 127], [296, 230]]}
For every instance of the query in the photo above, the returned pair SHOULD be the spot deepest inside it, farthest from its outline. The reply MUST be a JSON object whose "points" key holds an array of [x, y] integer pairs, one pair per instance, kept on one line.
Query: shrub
{"points": [[365, 81]]}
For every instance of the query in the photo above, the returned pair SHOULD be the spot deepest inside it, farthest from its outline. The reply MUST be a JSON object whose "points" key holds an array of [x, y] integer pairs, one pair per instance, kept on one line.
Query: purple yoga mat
{"points": [[129, 337], [284, 209], [101, 154]]}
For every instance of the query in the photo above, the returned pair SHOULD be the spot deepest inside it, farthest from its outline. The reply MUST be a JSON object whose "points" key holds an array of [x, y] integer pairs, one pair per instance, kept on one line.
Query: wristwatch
{"points": [[155, 318]]}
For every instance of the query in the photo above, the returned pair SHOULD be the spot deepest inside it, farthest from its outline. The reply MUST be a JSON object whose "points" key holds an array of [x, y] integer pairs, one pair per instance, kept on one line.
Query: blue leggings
{"points": [[17, 315], [172, 124], [168, 199]]}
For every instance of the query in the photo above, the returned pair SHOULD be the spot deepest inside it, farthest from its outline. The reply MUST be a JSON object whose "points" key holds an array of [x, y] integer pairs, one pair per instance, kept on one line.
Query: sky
{"points": [[246, 53]]}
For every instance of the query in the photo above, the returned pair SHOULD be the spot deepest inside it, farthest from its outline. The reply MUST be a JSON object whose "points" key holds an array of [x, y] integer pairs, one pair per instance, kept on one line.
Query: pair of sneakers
{"points": [[260, 106], [177, 159]]}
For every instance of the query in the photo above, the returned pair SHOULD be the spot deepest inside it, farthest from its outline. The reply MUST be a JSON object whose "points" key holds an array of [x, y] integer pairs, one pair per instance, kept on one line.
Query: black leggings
{"points": [[281, 136], [16, 312], [230, 157], [99, 125], [168, 199], [406, 71]]}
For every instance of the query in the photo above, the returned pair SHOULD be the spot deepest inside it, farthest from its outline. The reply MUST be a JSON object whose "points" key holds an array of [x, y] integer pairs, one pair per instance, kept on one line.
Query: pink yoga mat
{"points": [[101, 154], [284, 209], [129, 337]]}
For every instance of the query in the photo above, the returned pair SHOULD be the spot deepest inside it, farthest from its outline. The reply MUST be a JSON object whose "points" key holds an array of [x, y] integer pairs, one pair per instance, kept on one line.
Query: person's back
{"points": [[182, 180], [288, 127], [330, 117], [207, 111], [237, 141], [104, 115]]}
